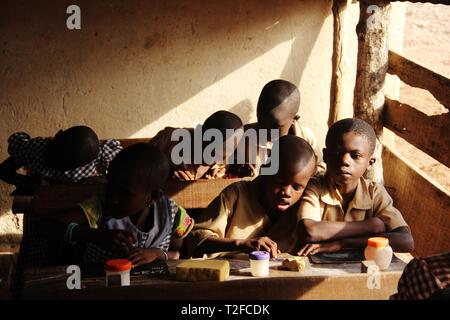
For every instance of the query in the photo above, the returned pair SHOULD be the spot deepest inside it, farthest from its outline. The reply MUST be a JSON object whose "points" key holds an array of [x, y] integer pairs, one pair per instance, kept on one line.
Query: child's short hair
{"points": [[72, 148], [295, 154], [141, 162], [355, 125], [222, 120], [276, 92]]}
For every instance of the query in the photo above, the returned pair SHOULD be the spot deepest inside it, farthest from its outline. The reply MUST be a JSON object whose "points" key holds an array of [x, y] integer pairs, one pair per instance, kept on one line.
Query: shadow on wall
{"points": [[136, 60], [133, 61]]}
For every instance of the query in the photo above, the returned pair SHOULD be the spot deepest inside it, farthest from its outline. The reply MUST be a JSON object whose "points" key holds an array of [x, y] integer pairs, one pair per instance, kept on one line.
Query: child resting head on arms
{"points": [[68, 157], [190, 170]]}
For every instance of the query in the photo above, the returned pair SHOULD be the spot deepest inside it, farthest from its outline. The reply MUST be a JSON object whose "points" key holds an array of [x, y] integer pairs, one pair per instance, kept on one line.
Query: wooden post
{"points": [[336, 103], [372, 65]]}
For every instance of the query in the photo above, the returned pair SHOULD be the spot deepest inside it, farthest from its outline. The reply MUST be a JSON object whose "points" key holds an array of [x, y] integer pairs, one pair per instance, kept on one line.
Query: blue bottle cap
{"points": [[259, 255]]}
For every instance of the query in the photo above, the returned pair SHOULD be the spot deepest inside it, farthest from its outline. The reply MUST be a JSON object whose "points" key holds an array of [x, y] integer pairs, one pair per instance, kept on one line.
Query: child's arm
{"points": [[318, 231], [400, 239], [8, 173], [216, 244], [141, 256], [311, 228], [54, 228]]}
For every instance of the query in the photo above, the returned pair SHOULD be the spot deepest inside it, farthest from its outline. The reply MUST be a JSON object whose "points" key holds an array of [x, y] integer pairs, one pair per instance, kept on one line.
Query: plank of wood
{"points": [[424, 205], [423, 1], [130, 141], [197, 194], [428, 133], [340, 281], [55, 198], [339, 36], [372, 64], [418, 76]]}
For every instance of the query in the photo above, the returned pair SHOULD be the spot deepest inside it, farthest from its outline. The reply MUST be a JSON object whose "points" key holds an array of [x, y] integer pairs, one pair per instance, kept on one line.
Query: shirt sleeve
{"points": [[213, 221], [383, 208], [108, 151], [22, 148], [309, 136], [310, 202], [92, 209], [182, 224]]}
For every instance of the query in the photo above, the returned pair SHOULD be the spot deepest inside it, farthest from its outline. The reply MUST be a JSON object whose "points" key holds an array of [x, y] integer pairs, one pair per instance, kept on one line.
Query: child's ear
{"points": [[325, 154], [372, 161]]}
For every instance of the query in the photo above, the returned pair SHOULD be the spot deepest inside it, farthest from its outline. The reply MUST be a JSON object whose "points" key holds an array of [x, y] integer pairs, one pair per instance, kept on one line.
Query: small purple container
{"points": [[259, 263], [259, 255]]}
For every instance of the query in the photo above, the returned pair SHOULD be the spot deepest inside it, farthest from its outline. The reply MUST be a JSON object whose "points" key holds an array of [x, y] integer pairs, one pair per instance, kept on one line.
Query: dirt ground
{"points": [[427, 42]]}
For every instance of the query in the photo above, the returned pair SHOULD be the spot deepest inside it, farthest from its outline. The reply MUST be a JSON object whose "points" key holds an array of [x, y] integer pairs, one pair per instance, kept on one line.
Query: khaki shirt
{"points": [[321, 201], [237, 214], [296, 129], [162, 141]]}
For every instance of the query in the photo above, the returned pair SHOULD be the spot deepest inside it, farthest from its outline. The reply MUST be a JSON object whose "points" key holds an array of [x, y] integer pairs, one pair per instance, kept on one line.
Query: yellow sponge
{"points": [[203, 270], [293, 264]]}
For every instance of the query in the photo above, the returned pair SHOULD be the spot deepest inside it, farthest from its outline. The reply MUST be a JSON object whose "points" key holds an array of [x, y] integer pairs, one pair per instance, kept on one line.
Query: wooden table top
{"points": [[317, 281]]}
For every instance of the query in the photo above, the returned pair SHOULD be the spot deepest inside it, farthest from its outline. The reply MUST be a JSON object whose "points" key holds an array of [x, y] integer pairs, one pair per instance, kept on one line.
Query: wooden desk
{"points": [[54, 198], [325, 281]]}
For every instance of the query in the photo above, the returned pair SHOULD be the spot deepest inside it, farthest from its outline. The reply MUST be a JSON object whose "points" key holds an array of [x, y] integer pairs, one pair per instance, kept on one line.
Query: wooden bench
{"points": [[54, 198], [188, 194]]}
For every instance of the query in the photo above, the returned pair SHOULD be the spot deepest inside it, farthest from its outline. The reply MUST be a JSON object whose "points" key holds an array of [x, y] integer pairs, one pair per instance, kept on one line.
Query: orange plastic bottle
{"points": [[118, 267], [378, 250]]}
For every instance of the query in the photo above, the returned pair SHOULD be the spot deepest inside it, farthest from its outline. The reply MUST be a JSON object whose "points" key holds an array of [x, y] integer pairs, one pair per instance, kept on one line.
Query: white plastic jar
{"points": [[118, 268], [259, 263], [378, 250]]}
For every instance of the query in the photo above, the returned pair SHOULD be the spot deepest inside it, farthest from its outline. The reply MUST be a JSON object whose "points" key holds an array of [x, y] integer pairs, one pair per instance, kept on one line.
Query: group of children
{"points": [[306, 207]]}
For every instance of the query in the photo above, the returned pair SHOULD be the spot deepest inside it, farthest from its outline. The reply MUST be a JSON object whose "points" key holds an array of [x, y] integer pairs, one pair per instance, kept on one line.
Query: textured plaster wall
{"points": [[137, 66]]}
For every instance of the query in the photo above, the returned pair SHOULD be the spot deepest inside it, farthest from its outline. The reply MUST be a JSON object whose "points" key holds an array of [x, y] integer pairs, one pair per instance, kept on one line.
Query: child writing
{"points": [[69, 157], [220, 120], [278, 107], [133, 219], [342, 209], [258, 214]]}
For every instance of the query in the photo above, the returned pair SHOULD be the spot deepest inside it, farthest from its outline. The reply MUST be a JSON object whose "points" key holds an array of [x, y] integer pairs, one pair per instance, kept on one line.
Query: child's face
{"points": [[282, 191], [125, 198], [348, 159], [279, 118], [271, 123]]}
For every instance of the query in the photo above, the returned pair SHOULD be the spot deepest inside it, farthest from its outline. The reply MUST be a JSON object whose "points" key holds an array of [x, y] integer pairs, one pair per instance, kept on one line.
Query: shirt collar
{"points": [[361, 200]]}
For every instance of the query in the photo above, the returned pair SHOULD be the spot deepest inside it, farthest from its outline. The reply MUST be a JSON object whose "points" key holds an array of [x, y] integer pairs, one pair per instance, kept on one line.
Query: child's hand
{"points": [[183, 174], [143, 256], [117, 240], [313, 248], [261, 243], [217, 172]]}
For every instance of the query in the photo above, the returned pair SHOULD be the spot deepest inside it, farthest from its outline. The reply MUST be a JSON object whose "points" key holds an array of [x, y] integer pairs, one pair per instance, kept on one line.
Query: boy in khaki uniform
{"points": [[221, 120], [278, 105], [258, 214], [342, 209]]}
